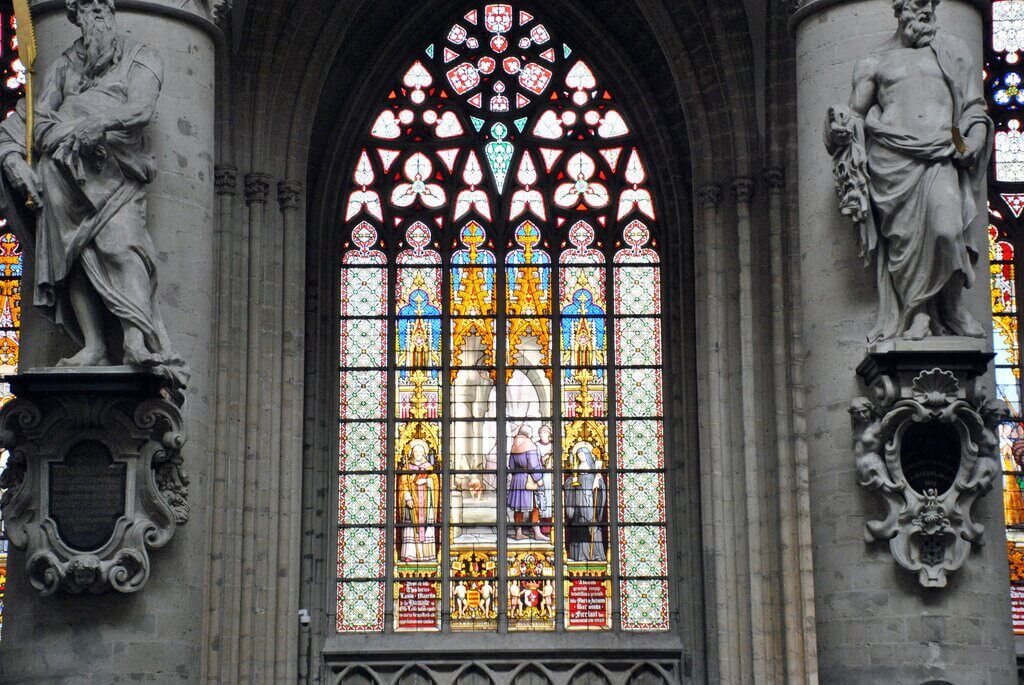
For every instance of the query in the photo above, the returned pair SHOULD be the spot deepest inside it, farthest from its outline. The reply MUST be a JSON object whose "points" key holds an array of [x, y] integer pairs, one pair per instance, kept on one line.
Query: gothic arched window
{"points": [[1005, 88], [501, 461]]}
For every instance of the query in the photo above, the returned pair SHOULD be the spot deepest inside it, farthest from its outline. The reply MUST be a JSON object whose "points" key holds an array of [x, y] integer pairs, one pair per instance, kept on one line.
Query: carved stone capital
{"points": [[775, 180], [709, 196], [257, 188], [743, 190], [225, 179], [926, 442], [289, 195], [94, 479]]}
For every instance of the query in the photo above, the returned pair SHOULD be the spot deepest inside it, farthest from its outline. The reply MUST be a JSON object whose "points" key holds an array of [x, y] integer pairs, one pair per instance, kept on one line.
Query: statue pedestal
{"points": [[94, 478], [926, 442], [890, 367]]}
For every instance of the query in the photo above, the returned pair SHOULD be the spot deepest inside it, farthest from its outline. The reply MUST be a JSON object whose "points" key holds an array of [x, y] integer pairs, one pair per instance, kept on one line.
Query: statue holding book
{"points": [[86, 193]]}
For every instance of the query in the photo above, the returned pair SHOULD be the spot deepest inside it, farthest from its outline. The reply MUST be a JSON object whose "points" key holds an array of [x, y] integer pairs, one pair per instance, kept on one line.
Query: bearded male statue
{"points": [[910, 153], [94, 259]]}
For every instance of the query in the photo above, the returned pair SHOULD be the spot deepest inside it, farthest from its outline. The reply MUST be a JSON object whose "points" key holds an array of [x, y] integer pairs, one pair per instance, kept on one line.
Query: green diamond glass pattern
{"points": [[644, 605], [641, 498]]}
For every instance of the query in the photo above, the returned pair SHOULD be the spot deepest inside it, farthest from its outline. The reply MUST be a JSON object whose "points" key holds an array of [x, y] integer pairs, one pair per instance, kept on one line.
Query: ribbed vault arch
{"points": [[298, 83]]}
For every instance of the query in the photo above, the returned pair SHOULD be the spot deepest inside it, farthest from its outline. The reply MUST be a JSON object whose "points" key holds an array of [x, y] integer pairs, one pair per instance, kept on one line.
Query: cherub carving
{"points": [[868, 445]]}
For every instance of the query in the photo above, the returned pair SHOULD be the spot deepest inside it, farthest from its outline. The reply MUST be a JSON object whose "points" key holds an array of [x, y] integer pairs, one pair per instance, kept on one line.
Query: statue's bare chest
{"points": [[905, 67]]}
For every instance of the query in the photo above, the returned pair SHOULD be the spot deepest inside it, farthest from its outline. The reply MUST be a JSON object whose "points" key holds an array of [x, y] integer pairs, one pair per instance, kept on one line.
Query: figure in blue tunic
{"points": [[526, 481]]}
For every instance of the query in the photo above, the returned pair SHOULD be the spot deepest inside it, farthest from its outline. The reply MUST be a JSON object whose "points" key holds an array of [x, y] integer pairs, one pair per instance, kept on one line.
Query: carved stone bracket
{"points": [[94, 479], [926, 442]]}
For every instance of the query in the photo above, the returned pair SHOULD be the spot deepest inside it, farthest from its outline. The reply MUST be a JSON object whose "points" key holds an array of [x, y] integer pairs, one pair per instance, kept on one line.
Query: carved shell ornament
{"points": [[932, 388]]}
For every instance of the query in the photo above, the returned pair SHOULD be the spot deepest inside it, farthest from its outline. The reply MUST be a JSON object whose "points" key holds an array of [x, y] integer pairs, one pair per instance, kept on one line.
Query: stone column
{"points": [[762, 651], [723, 657], [219, 604], [257, 191], [156, 633], [874, 621], [293, 320], [791, 506]]}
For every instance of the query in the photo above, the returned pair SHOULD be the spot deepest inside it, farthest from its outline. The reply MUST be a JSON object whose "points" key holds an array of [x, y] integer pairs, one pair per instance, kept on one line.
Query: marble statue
{"points": [[94, 259], [910, 153]]}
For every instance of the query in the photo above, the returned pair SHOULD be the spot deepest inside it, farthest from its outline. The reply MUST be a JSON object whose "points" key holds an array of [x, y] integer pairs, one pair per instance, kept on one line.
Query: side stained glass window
{"points": [[12, 82], [501, 457], [1005, 89]]}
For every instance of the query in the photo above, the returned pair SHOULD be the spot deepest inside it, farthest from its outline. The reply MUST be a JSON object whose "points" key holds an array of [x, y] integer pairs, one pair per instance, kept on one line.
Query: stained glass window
{"points": [[1005, 89], [12, 80], [501, 458]]}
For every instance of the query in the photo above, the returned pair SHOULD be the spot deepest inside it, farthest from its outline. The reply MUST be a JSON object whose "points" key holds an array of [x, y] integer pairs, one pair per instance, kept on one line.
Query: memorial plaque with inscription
{"points": [[589, 602], [96, 479], [418, 605], [87, 496]]}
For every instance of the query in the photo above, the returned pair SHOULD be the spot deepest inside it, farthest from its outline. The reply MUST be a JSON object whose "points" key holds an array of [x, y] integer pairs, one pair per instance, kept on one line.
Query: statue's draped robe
{"points": [[94, 213], [925, 208]]}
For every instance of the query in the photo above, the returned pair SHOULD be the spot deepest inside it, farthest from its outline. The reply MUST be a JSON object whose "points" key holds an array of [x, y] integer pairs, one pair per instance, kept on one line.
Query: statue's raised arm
{"points": [[909, 156]]}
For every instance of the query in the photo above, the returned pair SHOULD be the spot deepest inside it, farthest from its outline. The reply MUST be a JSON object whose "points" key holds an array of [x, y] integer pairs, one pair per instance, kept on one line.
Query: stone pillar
{"points": [[156, 633], [723, 657], [293, 315], [790, 504], [221, 581], [762, 638], [257, 191], [874, 621]]}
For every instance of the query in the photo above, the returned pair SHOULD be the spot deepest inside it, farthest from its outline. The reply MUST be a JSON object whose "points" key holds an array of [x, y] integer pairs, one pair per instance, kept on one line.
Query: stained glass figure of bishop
{"points": [[418, 505]]}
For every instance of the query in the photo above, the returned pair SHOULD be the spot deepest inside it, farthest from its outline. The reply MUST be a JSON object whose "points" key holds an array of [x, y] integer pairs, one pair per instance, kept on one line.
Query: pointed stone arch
{"points": [[531, 674], [415, 674], [474, 674], [646, 674], [590, 674], [358, 675]]}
